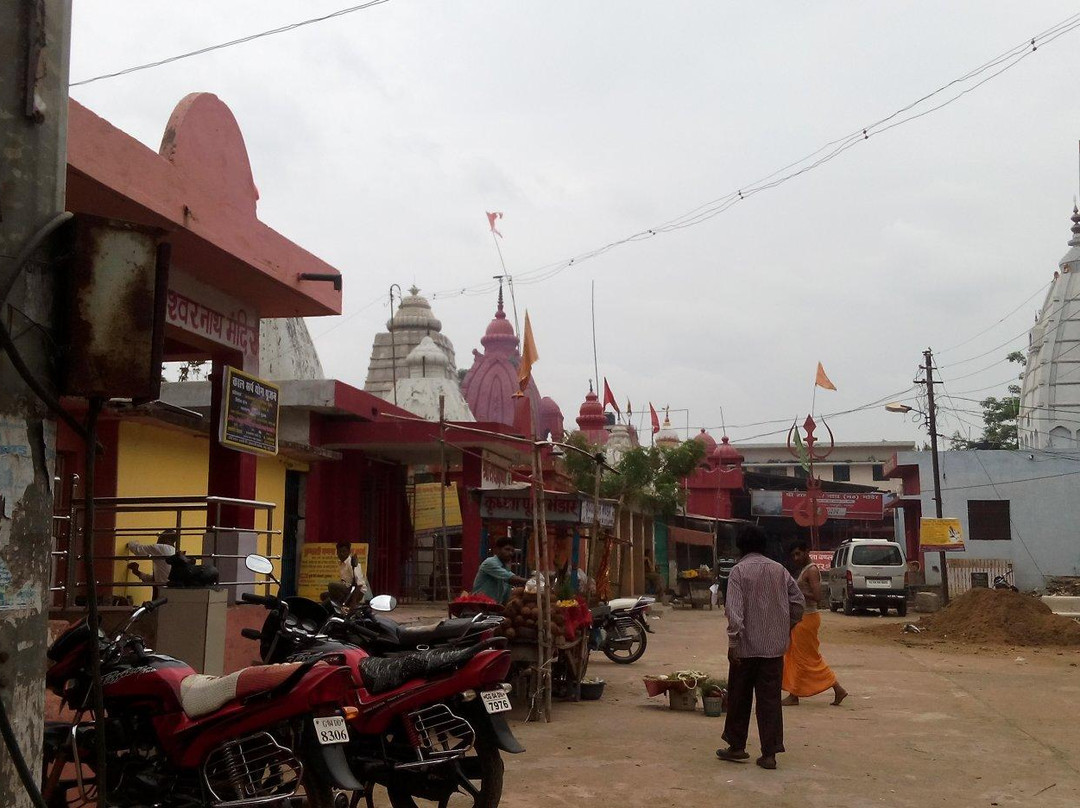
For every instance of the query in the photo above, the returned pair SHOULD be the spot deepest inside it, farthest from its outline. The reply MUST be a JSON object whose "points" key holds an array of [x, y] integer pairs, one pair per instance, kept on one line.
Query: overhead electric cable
{"points": [[708, 210], [249, 38]]}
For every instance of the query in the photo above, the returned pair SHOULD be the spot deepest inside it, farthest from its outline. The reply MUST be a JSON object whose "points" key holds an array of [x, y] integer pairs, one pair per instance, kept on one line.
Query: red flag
{"points": [[609, 398], [491, 223], [655, 418]]}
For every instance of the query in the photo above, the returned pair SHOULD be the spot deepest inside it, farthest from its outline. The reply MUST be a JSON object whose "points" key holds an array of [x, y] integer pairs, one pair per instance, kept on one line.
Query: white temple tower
{"points": [[413, 321], [1050, 396]]}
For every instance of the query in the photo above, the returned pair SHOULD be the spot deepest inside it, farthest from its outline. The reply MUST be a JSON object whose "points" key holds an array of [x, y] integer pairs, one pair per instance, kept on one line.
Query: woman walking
{"points": [[805, 671]]}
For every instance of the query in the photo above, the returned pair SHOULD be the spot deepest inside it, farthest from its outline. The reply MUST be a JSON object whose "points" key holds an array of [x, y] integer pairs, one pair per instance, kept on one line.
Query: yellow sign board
{"points": [[939, 535], [319, 566], [426, 509]]}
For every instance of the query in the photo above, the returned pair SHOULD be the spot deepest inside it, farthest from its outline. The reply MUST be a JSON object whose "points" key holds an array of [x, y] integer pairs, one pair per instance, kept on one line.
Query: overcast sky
{"points": [[379, 139]]}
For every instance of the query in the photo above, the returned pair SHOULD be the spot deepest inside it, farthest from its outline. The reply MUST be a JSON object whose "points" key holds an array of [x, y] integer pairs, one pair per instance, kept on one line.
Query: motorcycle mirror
{"points": [[259, 564], [384, 603]]}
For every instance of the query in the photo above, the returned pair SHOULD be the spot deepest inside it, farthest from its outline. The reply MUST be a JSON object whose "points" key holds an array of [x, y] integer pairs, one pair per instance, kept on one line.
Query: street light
{"points": [[896, 406]]}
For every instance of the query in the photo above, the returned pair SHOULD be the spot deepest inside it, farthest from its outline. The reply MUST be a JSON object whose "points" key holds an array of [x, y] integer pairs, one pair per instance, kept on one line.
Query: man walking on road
{"points": [[805, 671], [763, 604]]}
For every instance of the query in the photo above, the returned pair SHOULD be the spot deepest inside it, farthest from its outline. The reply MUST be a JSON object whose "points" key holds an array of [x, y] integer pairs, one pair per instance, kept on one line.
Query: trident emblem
{"points": [[810, 512]]}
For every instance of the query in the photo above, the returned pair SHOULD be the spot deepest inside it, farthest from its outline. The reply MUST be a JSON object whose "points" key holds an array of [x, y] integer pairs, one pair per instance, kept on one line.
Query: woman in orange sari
{"points": [[805, 672]]}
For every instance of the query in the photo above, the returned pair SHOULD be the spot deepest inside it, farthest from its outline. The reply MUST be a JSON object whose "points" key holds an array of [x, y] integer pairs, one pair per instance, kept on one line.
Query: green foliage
{"points": [[999, 418], [647, 476]]}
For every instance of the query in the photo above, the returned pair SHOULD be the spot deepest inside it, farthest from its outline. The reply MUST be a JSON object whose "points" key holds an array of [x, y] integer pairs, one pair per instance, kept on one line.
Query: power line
{"points": [[972, 338], [1009, 58], [249, 38]]}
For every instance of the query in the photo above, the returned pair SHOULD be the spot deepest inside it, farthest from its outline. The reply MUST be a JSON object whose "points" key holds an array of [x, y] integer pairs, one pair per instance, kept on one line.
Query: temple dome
{"points": [[499, 338], [726, 455], [412, 323], [667, 436], [707, 440], [426, 359], [414, 313], [551, 420]]}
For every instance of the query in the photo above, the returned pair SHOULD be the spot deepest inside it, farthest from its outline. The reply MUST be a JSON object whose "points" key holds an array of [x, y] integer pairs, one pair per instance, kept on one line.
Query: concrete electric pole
{"points": [[34, 44]]}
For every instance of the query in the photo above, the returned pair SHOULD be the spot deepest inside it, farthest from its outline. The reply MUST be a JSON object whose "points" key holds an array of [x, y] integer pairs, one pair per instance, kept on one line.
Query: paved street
{"points": [[923, 726]]}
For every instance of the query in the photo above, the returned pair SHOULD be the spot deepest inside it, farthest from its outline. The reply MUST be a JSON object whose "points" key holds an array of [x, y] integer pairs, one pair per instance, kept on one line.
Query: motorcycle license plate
{"points": [[496, 701], [331, 730]]}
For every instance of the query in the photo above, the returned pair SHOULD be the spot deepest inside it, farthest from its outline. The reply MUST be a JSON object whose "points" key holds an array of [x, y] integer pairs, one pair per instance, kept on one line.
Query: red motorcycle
{"points": [[272, 736], [429, 727]]}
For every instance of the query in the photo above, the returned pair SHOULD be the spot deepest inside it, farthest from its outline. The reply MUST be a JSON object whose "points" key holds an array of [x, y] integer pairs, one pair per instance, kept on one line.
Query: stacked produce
{"points": [[569, 616]]}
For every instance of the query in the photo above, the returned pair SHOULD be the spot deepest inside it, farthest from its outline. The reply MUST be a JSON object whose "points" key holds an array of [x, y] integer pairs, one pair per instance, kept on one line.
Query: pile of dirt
{"points": [[1000, 616]]}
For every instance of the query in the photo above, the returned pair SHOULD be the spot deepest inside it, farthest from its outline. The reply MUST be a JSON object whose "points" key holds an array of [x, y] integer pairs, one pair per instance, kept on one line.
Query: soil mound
{"points": [[1000, 616]]}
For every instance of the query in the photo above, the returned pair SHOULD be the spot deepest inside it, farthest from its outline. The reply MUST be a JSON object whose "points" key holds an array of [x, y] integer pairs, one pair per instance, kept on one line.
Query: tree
{"points": [[647, 476], [999, 418]]}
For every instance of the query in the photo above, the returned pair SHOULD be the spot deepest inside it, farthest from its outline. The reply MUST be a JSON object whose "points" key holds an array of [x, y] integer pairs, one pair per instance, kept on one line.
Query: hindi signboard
{"points": [[319, 566], [249, 413], [561, 508], [838, 504], [940, 535], [822, 559], [426, 509]]}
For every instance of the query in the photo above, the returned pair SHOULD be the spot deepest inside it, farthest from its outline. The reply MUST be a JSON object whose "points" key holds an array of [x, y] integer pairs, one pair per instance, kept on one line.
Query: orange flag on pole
{"points": [[822, 380], [529, 355]]}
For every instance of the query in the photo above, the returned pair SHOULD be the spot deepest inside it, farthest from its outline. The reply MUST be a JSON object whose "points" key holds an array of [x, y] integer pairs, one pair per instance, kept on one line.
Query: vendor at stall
{"points": [[494, 578]]}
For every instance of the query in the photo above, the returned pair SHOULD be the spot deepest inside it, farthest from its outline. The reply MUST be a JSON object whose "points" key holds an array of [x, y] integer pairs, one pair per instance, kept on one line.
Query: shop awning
{"points": [[684, 535]]}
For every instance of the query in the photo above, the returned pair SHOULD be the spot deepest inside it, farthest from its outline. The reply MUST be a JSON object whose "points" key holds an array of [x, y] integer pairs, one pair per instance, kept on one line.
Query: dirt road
{"points": [[924, 726]]}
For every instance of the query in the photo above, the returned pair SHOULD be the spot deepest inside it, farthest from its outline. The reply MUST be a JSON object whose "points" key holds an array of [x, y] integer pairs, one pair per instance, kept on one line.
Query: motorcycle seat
{"points": [[412, 636], [201, 695], [380, 674]]}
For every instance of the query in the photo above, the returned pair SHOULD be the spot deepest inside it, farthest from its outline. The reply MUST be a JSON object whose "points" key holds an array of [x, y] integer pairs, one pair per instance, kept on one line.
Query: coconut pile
{"points": [[1000, 617]]}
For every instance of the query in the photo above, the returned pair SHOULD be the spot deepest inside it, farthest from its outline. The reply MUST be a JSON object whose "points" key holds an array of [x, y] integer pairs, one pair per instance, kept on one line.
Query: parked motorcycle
{"points": [[263, 736], [620, 630], [430, 726], [366, 626], [1003, 582]]}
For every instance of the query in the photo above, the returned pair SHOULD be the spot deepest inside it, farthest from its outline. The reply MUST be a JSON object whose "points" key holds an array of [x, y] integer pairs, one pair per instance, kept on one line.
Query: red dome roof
{"points": [[499, 337], [591, 416], [726, 454], [708, 440]]}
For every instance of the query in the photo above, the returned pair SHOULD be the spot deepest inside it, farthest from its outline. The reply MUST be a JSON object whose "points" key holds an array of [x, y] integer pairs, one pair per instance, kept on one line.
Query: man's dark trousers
{"points": [[760, 677]]}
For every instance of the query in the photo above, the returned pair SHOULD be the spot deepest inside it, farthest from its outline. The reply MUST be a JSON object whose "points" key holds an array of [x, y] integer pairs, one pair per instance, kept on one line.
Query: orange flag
{"points": [[529, 355], [822, 380]]}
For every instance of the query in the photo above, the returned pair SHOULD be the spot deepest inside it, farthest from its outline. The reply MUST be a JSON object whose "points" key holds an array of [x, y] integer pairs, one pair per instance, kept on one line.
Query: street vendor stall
{"points": [[695, 554], [570, 624]]}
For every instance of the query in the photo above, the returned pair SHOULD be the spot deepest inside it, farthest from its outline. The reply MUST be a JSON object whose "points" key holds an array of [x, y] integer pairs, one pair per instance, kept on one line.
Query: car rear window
{"points": [[876, 555]]}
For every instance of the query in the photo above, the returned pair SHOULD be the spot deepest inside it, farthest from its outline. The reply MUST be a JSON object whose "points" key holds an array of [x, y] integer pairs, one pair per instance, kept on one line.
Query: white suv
{"points": [[867, 573]]}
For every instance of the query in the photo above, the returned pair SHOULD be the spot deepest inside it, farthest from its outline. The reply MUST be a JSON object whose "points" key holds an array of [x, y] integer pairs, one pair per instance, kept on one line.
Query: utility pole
{"points": [[931, 411], [34, 40]]}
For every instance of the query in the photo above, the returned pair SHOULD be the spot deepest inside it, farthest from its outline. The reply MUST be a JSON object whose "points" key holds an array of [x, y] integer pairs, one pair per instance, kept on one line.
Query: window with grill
{"points": [[879, 472], [988, 520], [841, 474]]}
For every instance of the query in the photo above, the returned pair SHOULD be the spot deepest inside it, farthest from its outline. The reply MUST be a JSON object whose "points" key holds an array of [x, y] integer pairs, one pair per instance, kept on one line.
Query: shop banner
{"points": [[319, 566], [249, 414], [426, 509], [838, 504], [516, 505], [940, 535]]}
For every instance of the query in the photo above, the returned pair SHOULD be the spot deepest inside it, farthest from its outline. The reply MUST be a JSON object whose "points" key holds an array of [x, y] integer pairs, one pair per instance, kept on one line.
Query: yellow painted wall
{"points": [[159, 461]]}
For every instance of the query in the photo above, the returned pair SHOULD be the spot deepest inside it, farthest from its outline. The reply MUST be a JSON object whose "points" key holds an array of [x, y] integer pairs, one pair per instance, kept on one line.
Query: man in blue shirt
{"points": [[494, 577]]}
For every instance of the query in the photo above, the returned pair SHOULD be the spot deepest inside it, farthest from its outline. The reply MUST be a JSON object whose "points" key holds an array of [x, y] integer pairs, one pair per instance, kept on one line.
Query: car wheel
{"points": [[849, 607], [901, 609], [884, 611], [834, 606]]}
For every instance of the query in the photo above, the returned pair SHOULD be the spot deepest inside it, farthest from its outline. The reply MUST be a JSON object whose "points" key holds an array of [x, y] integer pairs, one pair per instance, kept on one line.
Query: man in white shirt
{"points": [[351, 578], [158, 555]]}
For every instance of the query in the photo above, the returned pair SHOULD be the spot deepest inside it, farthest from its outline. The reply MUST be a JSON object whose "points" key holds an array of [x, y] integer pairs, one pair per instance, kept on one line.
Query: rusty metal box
{"points": [[116, 290]]}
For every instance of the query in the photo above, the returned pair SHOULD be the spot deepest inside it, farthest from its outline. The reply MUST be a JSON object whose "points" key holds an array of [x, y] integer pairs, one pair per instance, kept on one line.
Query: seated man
{"points": [[494, 578], [158, 554], [351, 588]]}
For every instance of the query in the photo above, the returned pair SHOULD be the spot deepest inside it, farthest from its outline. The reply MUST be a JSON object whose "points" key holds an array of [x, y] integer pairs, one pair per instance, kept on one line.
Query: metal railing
{"points": [[186, 516]]}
